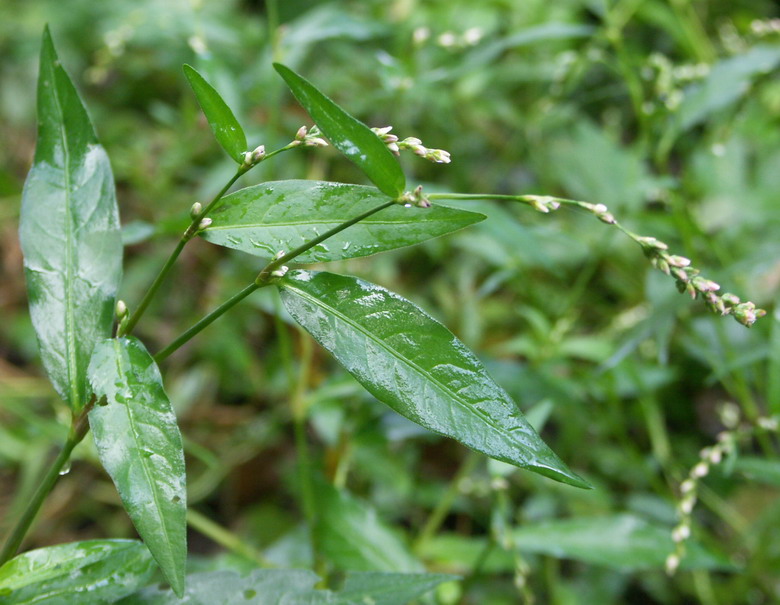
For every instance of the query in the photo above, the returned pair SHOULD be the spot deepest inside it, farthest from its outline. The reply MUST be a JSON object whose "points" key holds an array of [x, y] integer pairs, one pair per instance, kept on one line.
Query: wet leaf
{"points": [[95, 571], [347, 134], [224, 125], [139, 444], [282, 215], [69, 232], [351, 536], [623, 542], [412, 363]]}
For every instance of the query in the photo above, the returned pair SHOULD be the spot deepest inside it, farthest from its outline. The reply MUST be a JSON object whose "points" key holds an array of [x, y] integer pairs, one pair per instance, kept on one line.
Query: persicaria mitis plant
{"points": [[69, 231]]}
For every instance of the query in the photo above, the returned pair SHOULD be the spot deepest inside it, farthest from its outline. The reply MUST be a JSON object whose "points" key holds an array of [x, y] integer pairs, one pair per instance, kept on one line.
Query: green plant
{"points": [[70, 238]]}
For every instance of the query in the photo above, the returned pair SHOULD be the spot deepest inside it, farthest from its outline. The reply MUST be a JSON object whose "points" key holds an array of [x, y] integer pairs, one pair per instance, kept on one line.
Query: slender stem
{"points": [[267, 271], [263, 280], [166, 268], [445, 503], [78, 429], [226, 538], [208, 320]]}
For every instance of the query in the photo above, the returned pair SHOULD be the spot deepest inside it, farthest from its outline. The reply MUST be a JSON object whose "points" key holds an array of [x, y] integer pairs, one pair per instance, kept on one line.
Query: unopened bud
{"points": [[700, 470], [280, 272], [678, 261], [301, 134], [672, 563], [653, 243], [278, 255], [681, 533], [730, 299], [121, 309], [247, 158], [258, 154], [204, 224]]}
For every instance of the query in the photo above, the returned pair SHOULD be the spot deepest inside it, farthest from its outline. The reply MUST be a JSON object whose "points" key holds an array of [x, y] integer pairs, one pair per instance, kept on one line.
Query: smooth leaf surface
{"points": [[622, 542], [415, 365], [139, 444], [95, 571], [347, 134], [69, 232], [759, 469], [224, 124], [351, 536], [282, 215], [389, 588]]}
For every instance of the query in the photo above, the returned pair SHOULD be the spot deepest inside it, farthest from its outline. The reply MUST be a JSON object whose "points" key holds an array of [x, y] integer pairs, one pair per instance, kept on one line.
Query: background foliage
{"points": [[665, 110]]}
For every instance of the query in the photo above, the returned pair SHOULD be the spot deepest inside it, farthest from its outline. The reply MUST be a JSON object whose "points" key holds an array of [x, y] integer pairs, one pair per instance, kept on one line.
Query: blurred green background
{"points": [[667, 111]]}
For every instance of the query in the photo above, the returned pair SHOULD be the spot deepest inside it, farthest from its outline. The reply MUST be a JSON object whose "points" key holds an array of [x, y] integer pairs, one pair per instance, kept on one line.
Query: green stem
{"points": [[78, 429], [445, 504], [265, 274], [263, 280], [207, 320], [166, 268], [225, 538]]}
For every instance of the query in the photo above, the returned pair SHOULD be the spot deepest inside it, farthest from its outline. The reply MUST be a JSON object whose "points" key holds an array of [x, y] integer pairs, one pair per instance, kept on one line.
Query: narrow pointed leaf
{"points": [[623, 542], [139, 444], [350, 535], [389, 588], [69, 232], [282, 215], [95, 571], [412, 363], [347, 134], [224, 125]]}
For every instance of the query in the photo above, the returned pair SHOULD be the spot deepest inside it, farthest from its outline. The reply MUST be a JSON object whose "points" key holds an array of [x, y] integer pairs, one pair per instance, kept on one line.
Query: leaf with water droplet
{"points": [[282, 215], [140, 446], [347, 134], [69, 232], [224, 124], [94, 571], [411, 362]]}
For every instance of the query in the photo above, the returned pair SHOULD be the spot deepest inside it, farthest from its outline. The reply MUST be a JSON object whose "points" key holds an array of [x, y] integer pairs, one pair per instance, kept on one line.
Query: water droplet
{"points": [[66, 468], [346, 245]]}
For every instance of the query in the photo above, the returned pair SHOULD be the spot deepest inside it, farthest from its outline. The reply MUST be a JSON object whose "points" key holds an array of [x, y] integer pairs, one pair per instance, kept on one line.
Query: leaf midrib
{"points": [[465, 405], [70, 336], [144, 461], [367, 221]]}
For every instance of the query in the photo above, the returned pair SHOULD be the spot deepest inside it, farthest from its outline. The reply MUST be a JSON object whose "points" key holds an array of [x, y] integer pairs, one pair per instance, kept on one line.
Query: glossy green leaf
{"points": [[139, 444], [259, 587], [224, 125], [350, 535], [69, 232], [412, 363], [623, 542], [95, 571], [347, 134], [389, 588], [282, 215]]}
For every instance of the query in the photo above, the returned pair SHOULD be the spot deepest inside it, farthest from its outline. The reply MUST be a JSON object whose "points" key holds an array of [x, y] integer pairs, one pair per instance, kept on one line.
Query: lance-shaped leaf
{"points": [[282, 215], [95, 571], [69, 231], [389, 588], [139, 444], [411, 362], [224, 125], [347, 134]]}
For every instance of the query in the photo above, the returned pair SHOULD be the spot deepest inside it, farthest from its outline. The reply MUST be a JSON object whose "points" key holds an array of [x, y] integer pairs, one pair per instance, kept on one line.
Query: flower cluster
{"points": [[309, 137], [413, 144], [689, 280], [708, 458], [414, 198], [541, 203]]}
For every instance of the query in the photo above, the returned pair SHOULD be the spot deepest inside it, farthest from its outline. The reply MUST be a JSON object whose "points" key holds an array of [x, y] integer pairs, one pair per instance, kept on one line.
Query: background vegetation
{"points": [[664, 110]]}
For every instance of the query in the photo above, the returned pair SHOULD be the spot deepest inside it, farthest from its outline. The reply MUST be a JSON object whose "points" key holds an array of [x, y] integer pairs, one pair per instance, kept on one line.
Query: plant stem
{"points": [[265, 274], [78, 429], [191, 231], [208, 320], [224, 537], [166, 268], [263, 280], [445, 504]]}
